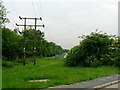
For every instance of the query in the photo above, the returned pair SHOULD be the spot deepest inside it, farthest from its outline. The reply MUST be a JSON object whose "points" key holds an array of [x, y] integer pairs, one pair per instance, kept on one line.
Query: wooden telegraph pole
{"points": [[34, 35]]}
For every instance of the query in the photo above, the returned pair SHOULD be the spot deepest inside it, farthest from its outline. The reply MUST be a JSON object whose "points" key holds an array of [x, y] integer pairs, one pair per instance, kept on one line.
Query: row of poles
{"points": [[25, 25]]}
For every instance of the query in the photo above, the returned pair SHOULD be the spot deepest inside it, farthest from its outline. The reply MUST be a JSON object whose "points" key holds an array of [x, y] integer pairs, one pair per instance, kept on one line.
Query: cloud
{"points": [[65, 20]]}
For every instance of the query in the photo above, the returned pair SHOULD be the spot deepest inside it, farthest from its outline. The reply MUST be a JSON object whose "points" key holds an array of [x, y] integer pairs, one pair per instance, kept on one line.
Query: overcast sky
{"points": [[65, 20]]}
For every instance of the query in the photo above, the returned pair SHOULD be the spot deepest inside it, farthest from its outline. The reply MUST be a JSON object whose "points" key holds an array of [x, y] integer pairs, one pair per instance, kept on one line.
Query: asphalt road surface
{"points": [[86, 85], [91, 83], [114, 86]]}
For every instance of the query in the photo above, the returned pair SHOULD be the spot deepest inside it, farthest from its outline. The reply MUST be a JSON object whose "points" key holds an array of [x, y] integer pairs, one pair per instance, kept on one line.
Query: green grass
{"points": [[52, 69]]}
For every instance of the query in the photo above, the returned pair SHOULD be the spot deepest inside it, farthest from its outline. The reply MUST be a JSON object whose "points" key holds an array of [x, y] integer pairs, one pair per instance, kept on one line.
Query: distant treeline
{"points": [[13, 44]]}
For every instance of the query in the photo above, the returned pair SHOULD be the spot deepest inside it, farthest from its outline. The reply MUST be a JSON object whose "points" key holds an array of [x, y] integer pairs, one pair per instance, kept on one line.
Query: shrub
{"points": [[94, 50], [72, 57], [7, 64], [116, 57]]}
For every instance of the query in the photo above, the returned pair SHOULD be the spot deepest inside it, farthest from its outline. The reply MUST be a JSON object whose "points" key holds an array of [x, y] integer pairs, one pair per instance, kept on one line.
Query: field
{"points": [[52, 69]]}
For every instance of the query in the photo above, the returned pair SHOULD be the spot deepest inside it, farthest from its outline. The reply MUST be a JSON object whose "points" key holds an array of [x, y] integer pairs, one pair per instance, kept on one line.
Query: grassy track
{"points": [[52, 69]]}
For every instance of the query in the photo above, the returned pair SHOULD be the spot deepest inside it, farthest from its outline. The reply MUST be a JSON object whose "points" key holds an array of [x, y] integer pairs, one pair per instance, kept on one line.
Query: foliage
{"points": [[94, 50], [3, 13], [72, 56], [13, 41], [13, 44], [44, 48], [7, 64]]}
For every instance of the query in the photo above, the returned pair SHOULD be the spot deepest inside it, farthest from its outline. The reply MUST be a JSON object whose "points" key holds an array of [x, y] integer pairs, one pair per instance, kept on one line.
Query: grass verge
{"points": [[52, 69]]}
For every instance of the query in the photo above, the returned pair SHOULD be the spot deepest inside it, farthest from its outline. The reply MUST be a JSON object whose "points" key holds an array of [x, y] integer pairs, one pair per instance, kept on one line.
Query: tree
{"points": [[13, 44], [95, 50], [11, 47], [3, 13]]}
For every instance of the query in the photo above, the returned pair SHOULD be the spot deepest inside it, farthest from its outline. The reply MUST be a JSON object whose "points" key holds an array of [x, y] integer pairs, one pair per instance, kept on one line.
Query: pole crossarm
{"points": [[25, 25], [30, 25], [30, 18]]}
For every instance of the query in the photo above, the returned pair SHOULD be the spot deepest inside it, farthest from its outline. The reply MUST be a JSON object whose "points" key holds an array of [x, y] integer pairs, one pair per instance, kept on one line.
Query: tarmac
{"points": [[95, 84]]}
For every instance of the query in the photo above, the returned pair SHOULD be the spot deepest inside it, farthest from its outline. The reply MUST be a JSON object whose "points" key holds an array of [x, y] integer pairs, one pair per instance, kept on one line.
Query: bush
{"points": [[116, 57], [72, 57], [7, 64], [107, 60], [94, 50]]}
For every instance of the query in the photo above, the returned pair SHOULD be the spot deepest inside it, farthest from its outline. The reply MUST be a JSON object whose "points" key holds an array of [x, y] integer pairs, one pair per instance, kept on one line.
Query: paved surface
{"points": [[114, 86], [89, 85]]}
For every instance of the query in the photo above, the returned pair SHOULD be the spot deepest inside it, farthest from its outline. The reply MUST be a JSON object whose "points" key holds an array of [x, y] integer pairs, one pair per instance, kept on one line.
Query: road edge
{"points": [[106, 84]]}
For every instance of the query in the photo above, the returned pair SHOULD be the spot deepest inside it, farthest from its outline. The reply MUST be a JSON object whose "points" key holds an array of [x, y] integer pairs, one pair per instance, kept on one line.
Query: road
{"points": [[91, 83], [114, 86], [86, 85]]}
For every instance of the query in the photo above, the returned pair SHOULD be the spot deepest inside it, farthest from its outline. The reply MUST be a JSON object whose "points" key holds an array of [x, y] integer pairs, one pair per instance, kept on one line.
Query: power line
{"points": [[40, 7], [14, 8], [35, 19], [33, 8]]}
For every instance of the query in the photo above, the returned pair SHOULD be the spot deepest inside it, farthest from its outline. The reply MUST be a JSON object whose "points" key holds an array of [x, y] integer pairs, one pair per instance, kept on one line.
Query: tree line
{"points": [[13, 44], [13, 41]]}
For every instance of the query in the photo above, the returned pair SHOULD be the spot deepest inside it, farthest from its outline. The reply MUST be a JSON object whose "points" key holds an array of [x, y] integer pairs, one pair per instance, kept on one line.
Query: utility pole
{"points": [[35, 42], [34, 35]]}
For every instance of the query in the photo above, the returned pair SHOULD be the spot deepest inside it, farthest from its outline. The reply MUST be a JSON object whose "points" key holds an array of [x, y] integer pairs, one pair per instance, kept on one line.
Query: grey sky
{"points": [[65, 20]]}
